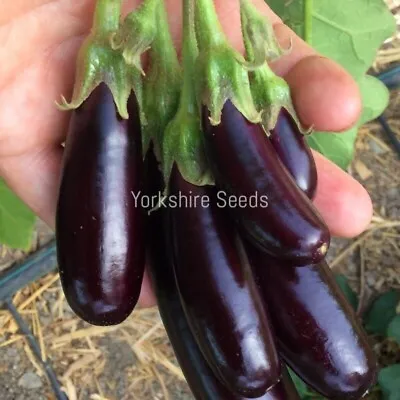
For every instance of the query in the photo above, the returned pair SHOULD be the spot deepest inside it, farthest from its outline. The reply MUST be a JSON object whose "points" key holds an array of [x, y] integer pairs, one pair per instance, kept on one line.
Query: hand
{"points": [[40, 40]]}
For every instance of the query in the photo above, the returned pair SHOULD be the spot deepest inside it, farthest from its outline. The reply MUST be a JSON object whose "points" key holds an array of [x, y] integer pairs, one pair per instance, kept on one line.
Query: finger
{"points": [[45, 27], [34, 116], [147, 297], [15, 8], [342, 201], [324, 94]]}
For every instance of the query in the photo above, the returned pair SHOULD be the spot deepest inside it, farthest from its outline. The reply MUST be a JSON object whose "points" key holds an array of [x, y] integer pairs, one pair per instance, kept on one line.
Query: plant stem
{"points": [[163, 49], [107, 16], [148, 6], [308, 22], [247, 43], [189, 55], [208, 28]]}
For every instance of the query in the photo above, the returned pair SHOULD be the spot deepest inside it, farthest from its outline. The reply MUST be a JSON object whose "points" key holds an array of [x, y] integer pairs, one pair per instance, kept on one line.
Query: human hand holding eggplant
{"points": [[210, 131], [99, 231]]}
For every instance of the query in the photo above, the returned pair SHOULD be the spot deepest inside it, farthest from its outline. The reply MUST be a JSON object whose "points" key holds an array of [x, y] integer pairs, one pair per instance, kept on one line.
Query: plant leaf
{"points": [[301, 387], [303, 390], [16, 220], [349, 32], [389, 381], [375, 96], [347, 290], [393, 330], [338, 147], [382, 312]]}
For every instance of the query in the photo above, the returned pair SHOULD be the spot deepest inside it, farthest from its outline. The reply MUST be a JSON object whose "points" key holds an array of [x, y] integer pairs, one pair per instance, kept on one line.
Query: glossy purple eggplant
{"points": [[319, 335], [202, 381], [100, 238], [295, 154], [246, 164], [219, 295]]}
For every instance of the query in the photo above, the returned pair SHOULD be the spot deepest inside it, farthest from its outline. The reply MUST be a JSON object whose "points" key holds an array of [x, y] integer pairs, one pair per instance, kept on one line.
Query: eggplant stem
{"points": [[107, 16], [189, 55], [208, 28], [308, 22]]}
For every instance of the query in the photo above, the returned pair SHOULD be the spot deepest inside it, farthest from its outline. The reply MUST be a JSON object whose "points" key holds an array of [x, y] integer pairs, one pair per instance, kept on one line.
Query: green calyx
{"points": [[183, 138], [162, 85], [270, 92], [222, 78], [137, 33], [183, 145], [221, 74], [260, 37], [98, 61]]}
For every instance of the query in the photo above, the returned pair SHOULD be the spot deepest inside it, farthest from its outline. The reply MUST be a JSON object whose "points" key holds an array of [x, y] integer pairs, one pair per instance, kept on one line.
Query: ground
{"points": [[134, 360]]}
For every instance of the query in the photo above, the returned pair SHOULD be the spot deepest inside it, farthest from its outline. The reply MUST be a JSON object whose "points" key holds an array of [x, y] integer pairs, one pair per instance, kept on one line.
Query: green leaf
{"points": [[303, 390], [389, 382], [393, 330], [375, 96], [16, 220], [349, 32], [347, 290], [301, 387], [338, 147], [382, 312], [353, 31]]}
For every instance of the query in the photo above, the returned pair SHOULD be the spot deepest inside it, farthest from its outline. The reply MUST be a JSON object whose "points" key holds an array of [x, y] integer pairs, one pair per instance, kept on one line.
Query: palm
{"points": [[37, 62]]}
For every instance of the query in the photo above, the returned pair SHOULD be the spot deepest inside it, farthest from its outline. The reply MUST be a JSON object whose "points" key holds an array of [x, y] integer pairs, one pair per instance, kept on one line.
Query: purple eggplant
{"points": [[319, 335], [218, 294], [246, 164], [202, 382], [295, 154], [100, 238], [306, 302]]}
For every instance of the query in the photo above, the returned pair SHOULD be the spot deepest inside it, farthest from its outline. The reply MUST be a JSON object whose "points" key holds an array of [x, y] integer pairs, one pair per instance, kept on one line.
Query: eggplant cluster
{"points": [[238, 262], [253, 288], [242, 291]]}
